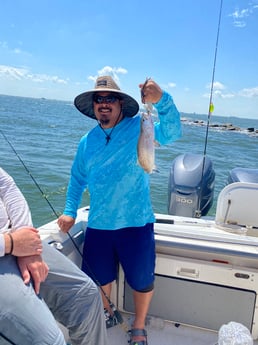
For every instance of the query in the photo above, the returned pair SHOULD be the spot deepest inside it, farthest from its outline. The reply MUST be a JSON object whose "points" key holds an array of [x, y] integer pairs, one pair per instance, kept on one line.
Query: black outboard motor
{"points": [[189, 193], [243, 175]]}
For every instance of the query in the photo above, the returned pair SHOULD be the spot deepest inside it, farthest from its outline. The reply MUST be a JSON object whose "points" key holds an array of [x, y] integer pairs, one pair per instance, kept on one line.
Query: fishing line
{"points": [[25, 167], [211, 108], [112, 306]]}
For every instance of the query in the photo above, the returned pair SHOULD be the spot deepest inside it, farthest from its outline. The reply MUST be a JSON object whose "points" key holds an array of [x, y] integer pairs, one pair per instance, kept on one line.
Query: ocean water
{"points": [[45, 134]]}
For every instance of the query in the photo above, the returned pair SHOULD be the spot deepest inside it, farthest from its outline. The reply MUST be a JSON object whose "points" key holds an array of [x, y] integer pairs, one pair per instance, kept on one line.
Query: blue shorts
{"points": [[133, 247]]}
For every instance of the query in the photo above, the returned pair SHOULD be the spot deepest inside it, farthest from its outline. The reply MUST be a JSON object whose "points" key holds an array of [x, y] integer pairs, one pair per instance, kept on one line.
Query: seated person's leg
{"points": [[74, 299], [24, 317]]}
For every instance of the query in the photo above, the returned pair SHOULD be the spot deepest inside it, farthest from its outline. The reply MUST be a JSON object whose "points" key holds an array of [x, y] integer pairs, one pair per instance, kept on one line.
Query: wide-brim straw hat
{"points": [[84, 101]]}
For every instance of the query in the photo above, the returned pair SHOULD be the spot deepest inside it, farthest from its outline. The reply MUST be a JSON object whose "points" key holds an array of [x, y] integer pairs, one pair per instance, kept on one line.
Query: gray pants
{"points": [[67, 295]]}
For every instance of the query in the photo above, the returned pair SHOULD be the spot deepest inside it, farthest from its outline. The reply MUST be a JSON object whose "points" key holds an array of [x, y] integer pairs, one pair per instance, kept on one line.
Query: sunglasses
{"points": [[105, 99]]}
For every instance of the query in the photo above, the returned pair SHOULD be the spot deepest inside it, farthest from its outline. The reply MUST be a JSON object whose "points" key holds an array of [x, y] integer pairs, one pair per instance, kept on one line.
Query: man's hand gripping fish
{"points": [[146, 149]]}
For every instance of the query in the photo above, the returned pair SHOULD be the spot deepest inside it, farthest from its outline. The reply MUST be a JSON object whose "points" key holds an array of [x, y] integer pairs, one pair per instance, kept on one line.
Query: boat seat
{"points": [[237, 206]]}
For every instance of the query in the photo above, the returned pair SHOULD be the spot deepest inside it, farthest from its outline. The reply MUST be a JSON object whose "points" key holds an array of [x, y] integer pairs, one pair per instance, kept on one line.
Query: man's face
{"points": [[107, 108]]}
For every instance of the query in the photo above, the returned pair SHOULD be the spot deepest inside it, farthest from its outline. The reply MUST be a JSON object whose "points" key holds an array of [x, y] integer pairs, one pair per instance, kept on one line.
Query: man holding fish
{"points": [[113, 162]]}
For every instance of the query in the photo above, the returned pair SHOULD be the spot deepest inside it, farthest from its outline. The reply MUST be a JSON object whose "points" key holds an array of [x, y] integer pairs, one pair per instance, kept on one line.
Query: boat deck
{"points": [[162, 332], [165, 333]]}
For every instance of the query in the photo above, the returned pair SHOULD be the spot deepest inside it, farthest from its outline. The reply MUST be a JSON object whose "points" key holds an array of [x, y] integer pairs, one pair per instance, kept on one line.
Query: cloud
{"points": [[167, 86], [239, 24], [14, 73], [4, 46], [219, 90], [114, 72], [220, 94], [17, 51], [240, 16], [171, 85], [216, 86], [11, 73], [249, 93]]}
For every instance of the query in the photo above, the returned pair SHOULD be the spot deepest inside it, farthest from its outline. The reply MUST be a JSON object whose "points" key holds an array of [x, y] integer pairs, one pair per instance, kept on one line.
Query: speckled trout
{"points": [[146, 146]]}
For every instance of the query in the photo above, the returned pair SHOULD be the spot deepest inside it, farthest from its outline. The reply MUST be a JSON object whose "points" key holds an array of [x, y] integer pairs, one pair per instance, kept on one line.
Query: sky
{"points": [[55, 49]]}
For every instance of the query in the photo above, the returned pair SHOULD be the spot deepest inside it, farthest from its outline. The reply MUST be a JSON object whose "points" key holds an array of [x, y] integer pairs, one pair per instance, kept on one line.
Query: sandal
{"points": [[135, 332]]}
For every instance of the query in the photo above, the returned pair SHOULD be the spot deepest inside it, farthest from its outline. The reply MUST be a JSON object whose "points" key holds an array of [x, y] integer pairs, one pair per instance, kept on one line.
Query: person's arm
{"points": [[14, 202], [2, 245], [18, 237], [168, 129], [76, 186], [6, 244], [22, 242], [78, 181]]}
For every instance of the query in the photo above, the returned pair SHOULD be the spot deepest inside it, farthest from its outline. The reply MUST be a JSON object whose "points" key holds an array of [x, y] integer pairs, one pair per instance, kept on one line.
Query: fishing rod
{"points": [[211, 108], [116, 313]]}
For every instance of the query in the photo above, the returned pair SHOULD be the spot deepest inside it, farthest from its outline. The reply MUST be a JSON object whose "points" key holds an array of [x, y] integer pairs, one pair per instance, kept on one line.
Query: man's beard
{"points": [[104, 121]]}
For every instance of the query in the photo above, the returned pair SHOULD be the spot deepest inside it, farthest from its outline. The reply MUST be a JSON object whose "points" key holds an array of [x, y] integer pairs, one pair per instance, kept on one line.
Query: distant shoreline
{"points": [[184, 116], [224, 126]]}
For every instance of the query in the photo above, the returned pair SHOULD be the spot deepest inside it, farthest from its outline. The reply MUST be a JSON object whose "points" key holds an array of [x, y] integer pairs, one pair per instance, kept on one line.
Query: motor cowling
{"points": [[191, 185]]}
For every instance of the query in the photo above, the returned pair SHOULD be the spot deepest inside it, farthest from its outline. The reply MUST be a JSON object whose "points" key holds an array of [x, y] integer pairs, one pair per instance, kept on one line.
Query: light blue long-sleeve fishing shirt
{"points": [[118, 186]]}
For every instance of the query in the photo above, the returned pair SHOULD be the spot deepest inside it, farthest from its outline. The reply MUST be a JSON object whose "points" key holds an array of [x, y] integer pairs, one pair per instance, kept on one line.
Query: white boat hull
{"points": [[206, 276]]}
